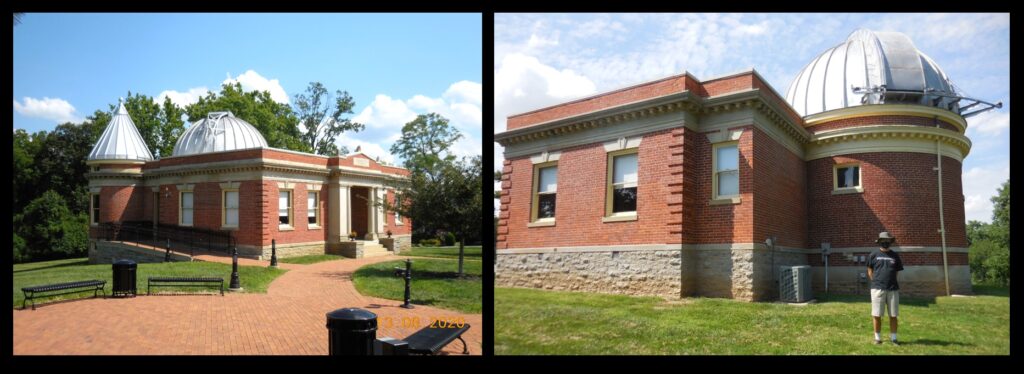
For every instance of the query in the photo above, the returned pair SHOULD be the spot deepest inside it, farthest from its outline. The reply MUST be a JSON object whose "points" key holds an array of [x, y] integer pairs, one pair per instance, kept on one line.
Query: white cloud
{"points": [[387, 113], [466, 146], [991, 123], [182, 99], [253, 81], [371, 149], [464, 91], [57, 110], [979, 185]]}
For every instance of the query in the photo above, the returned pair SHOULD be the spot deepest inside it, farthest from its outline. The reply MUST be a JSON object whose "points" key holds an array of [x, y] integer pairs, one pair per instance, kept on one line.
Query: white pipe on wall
{"points": [[942, 215]]}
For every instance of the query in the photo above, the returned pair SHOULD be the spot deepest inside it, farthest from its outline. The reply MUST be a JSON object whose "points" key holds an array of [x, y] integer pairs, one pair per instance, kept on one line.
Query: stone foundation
{"points": [[293, 250], [104, 252], [618, 272], [348, 249]]}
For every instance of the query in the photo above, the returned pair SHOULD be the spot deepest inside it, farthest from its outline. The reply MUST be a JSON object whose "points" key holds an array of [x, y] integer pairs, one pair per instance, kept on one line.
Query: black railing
{"points": [[186, 240]]}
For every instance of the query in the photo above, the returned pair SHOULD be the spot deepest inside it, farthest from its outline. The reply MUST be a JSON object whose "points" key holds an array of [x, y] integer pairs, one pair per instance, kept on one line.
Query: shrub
{"points": [[448, 239], [50, 231], [430, 243], [19, 249]]}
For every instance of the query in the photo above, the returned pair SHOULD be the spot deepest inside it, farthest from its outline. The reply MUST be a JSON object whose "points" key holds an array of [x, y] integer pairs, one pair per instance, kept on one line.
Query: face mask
{"points": [[886, 245]]}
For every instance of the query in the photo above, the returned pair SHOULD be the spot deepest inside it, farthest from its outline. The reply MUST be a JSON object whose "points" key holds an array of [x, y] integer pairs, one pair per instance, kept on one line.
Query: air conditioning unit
{"points": [[795, 283]]}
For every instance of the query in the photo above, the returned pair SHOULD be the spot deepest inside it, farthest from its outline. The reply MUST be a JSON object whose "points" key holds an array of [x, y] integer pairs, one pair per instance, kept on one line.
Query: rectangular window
{"points": [[284, 208], [398, 218], [846, 178], [727, 171], [230, 209], [622, 182], [546, 187], [186, 209], [96, 208], [312, 199]]}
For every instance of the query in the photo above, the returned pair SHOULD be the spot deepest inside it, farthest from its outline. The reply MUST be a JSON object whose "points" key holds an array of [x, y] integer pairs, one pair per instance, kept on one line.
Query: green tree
{"points": [[276, 122], [50, 230], [60, 163], [323, 122], [425, 142], [145, 114], [172, 126]]}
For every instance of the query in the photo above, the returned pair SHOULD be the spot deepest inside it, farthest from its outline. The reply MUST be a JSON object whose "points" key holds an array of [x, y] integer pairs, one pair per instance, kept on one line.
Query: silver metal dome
{"points": [[120, 140], [219, 131], [871, 68]]}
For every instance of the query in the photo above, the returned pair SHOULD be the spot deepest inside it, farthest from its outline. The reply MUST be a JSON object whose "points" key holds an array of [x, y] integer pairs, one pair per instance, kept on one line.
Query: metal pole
{"points": [[408, 279], [167, 257], [273, 253], [235, 284], [942, 216]]}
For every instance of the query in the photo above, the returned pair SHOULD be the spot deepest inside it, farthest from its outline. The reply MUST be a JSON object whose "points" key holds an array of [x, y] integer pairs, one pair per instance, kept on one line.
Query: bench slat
{"points": [[185, 279], [431, 340], [63, 286]]}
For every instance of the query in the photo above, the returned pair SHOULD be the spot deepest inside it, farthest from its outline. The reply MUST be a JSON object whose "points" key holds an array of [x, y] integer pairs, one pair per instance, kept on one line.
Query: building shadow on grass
{"points": [[935, 342], [76, 263], [904, 300], [423, 274]]}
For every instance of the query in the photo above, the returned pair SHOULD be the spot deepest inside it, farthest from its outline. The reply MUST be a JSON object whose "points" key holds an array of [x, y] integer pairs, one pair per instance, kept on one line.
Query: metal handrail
{"points": [[179, 237]]}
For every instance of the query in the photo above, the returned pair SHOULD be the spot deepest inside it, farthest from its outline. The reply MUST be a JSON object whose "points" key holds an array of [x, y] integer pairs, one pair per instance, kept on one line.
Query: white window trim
{"points": [[316, 210], [535, 197], [291, 207], [724, 199], [94, 216], [836, 190], [181, 208], [224, 208], [609, 196]]}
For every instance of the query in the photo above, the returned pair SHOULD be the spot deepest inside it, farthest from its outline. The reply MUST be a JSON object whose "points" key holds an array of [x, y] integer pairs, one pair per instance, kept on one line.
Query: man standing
{"points": [[883, 265]]}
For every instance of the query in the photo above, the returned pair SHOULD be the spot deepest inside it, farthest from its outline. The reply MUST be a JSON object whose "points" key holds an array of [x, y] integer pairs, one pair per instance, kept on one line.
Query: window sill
{"points": [[229, 228], [285, 228], [314, 227], [541, 223], [843, 191], [619, 218], [725, 201]]}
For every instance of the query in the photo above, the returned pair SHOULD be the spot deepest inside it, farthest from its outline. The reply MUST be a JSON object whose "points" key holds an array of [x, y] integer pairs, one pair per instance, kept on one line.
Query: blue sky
{"points": [[394, 65], [541, 60]]}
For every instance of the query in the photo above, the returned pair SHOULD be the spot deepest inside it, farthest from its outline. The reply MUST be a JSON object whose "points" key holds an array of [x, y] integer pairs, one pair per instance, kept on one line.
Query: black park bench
{"points": [[184, 282], [430, 340], [72, 287]]}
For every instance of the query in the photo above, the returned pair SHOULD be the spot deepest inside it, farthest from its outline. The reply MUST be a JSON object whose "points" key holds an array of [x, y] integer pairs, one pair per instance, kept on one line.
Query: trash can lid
{"points": [[352, 318], [124, 262]]}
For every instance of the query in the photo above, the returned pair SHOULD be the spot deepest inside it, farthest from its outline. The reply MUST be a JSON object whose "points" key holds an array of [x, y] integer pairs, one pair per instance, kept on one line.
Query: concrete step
{"points": [[374, 250]]}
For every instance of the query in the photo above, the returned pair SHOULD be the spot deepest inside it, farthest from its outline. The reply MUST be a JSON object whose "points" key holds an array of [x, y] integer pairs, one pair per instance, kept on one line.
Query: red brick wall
{"points": [[389, 222], [730, 223], [121, 203], [256, 153], [662, 87], [581, 201], [900, 196], [301, 232], [780, 198], [881, 120]]}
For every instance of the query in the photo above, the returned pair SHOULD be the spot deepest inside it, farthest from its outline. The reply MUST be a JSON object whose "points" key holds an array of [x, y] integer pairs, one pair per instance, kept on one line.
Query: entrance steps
{"points": [[372, 249]]}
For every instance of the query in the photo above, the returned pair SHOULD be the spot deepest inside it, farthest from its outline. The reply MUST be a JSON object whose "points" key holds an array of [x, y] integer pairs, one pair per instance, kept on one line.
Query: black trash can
{"points": [[351, 332], [124, 278]]}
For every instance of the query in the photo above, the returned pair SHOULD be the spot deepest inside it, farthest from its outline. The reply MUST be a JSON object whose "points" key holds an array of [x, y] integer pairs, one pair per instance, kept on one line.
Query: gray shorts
{"points": [[880, 298]]}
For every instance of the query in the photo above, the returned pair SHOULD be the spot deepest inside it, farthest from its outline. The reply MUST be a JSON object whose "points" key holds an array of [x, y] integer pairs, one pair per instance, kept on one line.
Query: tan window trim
{"points": [[715, 198], [534, 196], [181, 208], [291, 206], [224, 209], [316, 210], [836, 190], [610, 186]]}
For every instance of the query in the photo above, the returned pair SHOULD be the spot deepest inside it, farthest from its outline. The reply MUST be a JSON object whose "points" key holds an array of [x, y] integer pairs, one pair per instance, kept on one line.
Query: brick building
{"points": [[223, 177], [671, 187]]}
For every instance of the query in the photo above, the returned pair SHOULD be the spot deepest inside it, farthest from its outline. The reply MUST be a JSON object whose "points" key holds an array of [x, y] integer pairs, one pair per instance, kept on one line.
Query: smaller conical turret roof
{"points": [[121, 140]]}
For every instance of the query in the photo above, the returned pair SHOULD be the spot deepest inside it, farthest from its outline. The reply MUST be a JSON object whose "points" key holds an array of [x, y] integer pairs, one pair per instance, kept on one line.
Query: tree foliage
{"points": [[48, 230], [990, 242], [275, 121], [322, 121], [425, 141]]}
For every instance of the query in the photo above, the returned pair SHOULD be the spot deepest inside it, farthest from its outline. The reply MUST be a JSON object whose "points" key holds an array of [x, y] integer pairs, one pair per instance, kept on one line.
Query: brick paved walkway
{"points": [[288, 320]]}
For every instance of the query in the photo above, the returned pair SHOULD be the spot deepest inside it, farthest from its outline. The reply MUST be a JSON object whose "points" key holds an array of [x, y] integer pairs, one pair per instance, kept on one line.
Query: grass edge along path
{"points": [[433, 283], [254, 279]]}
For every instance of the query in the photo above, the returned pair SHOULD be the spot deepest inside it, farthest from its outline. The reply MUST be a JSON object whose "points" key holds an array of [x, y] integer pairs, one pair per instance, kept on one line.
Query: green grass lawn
{"points": [[549, 322], [309, 259], [471, 252], [434, 283], [252, 278]]}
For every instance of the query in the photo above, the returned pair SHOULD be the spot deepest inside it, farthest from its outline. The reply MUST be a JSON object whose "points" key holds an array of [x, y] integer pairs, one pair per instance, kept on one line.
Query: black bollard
{"points": [[235, 286], [273, 253], [167, 257], [408, 279]]}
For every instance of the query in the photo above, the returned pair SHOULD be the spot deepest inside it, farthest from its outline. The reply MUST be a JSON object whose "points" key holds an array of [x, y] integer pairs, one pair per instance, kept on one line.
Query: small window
{"points": [[186, 209], [623, 182], [848, 177], [547, 186], [230, 209], [311, 208], [727, 171], [96, 208], [284, 208]]}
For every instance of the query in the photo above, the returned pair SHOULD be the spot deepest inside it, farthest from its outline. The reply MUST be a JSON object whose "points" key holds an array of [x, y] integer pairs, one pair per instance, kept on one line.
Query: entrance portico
{"points": [[357, 195]]}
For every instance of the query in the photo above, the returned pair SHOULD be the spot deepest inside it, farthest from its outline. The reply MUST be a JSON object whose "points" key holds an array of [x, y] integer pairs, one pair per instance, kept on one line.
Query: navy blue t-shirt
{"points": [[884, 266]]}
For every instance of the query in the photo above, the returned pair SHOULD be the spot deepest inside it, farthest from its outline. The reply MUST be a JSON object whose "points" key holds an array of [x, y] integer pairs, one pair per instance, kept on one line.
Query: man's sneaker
{"points": [[878, 342], [895, 342]]}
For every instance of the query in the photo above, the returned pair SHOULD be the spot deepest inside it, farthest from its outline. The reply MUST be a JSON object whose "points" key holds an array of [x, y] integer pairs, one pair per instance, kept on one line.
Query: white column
{"points": [[371, 226], [379, 212], [338, 213]]}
